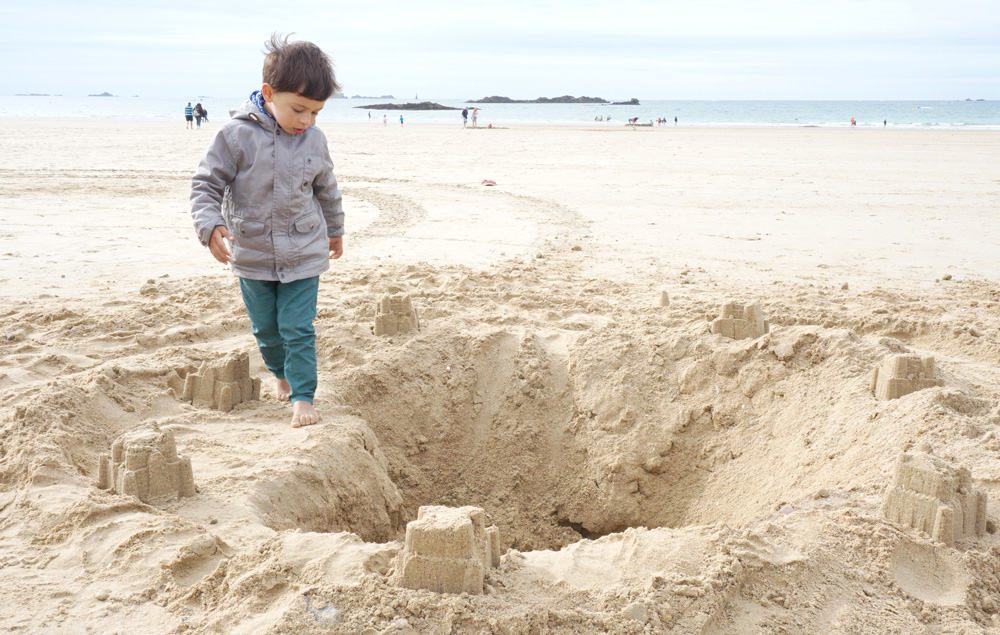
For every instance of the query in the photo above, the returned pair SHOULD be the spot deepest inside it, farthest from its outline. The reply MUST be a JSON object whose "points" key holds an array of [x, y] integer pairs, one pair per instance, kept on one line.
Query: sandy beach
{"points": [[645, 473]]}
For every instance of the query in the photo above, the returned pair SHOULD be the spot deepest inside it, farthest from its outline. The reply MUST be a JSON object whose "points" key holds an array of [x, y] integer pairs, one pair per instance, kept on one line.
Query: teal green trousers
{"points": [[281, 318]]}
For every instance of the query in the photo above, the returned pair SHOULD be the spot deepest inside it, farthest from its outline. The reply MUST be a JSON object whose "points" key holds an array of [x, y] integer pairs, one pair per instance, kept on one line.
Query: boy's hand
{"points": [[336, 247], [217, 245]]}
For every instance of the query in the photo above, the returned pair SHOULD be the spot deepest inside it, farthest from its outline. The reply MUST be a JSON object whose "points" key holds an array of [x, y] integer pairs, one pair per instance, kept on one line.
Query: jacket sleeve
{"points": [[215, 172], [328, 194]]}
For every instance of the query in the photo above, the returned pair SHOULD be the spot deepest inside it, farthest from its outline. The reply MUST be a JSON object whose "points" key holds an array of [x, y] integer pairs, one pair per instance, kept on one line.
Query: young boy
{"points": [[266, 185]]}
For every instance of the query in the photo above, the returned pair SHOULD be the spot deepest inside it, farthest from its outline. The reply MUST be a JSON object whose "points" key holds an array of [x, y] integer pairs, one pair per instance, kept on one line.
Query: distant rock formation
{"points": [[423, 105], [631, 102], [372, 97], [104, 94], [565, 99]]}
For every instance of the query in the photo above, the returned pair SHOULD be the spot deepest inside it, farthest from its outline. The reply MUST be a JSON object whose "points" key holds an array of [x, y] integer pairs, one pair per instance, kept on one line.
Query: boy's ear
{"points": [[267, 91]]}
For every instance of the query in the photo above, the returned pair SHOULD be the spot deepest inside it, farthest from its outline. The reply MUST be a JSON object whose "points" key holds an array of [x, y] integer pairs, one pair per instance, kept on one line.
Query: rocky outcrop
{"points": [[423, 105]]}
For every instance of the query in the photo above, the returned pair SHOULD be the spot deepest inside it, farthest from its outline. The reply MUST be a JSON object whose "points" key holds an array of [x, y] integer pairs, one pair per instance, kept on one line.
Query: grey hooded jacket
{"points": [[275, 192]]}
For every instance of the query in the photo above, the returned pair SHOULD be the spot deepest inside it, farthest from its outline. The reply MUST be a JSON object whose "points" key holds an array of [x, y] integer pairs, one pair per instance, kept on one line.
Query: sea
{"points": [[964, 114]]}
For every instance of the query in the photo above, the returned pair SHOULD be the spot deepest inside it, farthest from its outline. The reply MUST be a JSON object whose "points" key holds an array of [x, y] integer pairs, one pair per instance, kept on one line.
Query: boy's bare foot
{"points": [[283, 389], [303, 414]]}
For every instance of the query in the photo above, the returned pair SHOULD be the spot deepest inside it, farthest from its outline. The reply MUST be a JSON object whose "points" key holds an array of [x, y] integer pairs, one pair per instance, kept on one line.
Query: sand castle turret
{"points": [[220, 385], [448, 550], [898, 375], [933, 496], [395, 314], [740, 322], [144, 463]]}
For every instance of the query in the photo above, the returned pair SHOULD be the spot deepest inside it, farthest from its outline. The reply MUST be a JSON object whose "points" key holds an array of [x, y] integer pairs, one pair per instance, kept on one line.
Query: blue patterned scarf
{"points": [[258, 100]]}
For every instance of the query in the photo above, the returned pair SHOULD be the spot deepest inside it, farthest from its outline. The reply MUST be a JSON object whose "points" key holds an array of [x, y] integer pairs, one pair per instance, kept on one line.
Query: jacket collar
{"points": [[253, 110]]}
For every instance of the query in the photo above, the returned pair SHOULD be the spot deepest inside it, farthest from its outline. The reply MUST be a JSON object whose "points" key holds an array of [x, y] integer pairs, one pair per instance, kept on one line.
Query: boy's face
{"points": [[293, 112]]}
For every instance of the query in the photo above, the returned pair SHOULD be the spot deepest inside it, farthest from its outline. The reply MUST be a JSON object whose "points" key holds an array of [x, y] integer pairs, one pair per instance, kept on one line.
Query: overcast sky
{"points": [[714, 49]]}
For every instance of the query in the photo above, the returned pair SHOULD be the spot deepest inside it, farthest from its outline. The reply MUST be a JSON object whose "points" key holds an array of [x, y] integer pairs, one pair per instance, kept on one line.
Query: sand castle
{"points": [[144, 463], [898, 375], [395, 314], [219, 385], [448, 550], [740, 322], [933, 496]]}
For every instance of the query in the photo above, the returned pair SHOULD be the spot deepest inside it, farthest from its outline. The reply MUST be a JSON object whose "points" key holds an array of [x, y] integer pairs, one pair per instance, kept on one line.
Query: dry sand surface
{"points": [[645, 474]]}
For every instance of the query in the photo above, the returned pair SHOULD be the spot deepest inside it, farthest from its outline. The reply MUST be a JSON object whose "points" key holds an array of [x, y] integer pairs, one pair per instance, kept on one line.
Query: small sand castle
{"points": [[898, 375], [448, 550], [220, 385], [144, 463], [740, 322], [395, 314], [933, 496]]}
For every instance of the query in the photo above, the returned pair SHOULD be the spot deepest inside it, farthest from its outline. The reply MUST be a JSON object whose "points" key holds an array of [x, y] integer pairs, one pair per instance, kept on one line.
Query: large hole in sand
{"points": [[580, 431]]}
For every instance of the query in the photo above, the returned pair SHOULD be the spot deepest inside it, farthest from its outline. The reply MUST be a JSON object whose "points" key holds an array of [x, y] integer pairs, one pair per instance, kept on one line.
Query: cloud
{"points": [[650, 49]]}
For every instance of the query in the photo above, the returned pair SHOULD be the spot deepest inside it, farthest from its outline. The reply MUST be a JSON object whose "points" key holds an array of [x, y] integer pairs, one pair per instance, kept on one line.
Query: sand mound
{"points": [[644, 472]]}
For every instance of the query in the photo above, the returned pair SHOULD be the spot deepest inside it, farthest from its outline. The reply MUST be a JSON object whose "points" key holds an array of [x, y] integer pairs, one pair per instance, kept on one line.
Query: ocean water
{"points": [[959, 114]]}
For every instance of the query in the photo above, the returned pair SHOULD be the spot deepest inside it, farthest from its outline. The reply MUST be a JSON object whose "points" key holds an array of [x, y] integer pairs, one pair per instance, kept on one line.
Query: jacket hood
{"points": [[249, 111]]}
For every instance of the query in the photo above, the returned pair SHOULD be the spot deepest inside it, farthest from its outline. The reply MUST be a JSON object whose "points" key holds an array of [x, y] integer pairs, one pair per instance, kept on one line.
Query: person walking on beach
{"points": [[189, 116], [401, 120], [475, 117], [465, 116], [266, 185], [198, 114]]}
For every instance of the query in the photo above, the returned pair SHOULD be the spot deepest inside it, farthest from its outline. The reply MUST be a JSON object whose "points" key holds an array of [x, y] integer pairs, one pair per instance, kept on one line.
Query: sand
{"points": [[644, 473]]}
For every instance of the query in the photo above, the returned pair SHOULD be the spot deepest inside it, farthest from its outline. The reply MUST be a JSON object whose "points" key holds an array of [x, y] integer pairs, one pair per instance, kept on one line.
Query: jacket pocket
{"points": [[306, 224], [244, 228], [251, 245], [308, 238]]}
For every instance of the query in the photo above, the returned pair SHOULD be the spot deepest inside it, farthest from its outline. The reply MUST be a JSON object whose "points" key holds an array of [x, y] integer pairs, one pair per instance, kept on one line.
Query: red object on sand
{"points": [[489, 182]]}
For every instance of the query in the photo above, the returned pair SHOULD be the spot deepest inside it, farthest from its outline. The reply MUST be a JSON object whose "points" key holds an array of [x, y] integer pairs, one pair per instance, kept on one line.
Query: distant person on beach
{"points": [[401, 120], [189, 116], [385, 119], [675, 121], [465, 116], [269, 168], [198, 114], [853, 123], [204, 114], [475, 117], [884, 123]]}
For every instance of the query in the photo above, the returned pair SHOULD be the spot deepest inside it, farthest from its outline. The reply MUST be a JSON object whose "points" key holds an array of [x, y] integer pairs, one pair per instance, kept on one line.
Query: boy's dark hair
{"points": [[298, 67]]}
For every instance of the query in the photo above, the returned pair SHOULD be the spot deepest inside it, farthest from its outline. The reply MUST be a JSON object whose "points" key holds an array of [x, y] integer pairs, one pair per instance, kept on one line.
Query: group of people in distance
{"points": [[475, 117], [194, 115]]}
